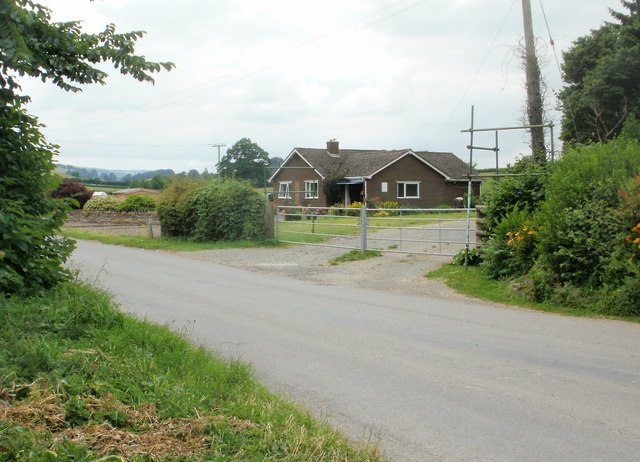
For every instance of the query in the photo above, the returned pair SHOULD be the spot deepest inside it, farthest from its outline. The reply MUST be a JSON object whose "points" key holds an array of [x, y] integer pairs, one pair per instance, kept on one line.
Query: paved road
{"points": [[434, 380]]}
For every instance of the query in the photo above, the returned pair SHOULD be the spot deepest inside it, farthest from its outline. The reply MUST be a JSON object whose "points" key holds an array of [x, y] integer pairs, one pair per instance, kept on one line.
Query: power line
{"points": [[558, 66], [475, 75], [133, 144]]}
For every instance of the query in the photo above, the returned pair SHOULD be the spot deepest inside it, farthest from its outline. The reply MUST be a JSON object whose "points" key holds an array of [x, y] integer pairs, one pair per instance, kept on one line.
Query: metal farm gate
{"points": [[411, 231]]}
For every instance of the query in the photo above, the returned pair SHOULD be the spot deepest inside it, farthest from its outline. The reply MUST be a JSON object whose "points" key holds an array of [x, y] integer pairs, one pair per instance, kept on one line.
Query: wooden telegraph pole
{"points": [[534, 94]]}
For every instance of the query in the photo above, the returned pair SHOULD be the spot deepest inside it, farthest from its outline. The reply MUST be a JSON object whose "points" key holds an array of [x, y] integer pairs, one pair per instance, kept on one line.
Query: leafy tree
{"points": [[31, 254], [244, 161], [70, 189], [601, 70]]}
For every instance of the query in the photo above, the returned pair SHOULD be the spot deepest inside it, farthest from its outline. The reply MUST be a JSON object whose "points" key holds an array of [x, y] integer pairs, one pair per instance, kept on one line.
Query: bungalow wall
{"points": [[433, 190], [297, 177]]}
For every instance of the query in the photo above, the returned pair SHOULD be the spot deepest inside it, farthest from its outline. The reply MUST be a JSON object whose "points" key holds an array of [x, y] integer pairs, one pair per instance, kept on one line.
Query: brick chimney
{"points": [[333, 146]]}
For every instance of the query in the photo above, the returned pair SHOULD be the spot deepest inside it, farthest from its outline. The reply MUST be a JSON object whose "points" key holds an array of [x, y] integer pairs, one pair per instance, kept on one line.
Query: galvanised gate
{"points": [[411, 231]]}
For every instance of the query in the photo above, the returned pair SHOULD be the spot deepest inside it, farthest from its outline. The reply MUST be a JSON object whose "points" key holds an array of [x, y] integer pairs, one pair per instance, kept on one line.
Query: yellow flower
{"points": [[509, 233], [532, 232], [525, 229], [636, 240], [521, 238], [510, 242], [517, 234]]}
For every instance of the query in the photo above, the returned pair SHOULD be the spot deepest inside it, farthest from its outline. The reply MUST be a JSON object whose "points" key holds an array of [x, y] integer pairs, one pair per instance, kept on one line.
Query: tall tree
{"points": [[31, 254], [245, 161], [601, 71]]}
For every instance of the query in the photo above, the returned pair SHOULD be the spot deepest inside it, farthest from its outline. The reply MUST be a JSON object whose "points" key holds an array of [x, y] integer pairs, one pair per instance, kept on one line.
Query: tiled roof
{"points": [[364, 163], [448, 163]]}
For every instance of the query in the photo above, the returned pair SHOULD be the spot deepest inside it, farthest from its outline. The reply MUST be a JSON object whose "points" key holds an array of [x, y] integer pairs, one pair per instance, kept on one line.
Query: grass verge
{"points": [[475, 283], [176, 245], [355, 255], [80, 380]]}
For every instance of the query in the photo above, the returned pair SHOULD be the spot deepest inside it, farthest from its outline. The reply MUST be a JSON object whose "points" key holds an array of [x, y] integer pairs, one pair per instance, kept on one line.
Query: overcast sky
{"points": [[373, 74]]}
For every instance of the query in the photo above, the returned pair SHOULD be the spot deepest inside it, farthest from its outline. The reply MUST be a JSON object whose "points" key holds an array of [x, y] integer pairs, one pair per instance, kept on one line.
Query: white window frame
{"points": [[309, 193], [284, 193], [383, 187], [403, 185]]}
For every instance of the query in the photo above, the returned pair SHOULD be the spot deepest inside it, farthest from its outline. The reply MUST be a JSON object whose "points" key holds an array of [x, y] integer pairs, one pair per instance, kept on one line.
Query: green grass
{"points": [[475, 283], [107, 189], [176, 245], [80, 380], [355, 255]]}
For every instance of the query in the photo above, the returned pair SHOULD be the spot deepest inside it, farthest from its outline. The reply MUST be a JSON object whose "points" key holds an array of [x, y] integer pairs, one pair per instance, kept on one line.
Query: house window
{"points": [[284, 192], [383, 186], [311, 189], [408, 189]]}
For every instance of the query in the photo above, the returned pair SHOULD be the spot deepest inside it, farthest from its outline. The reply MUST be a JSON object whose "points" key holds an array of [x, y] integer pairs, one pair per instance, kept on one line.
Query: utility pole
{"points": [[534, 94], [218, 145]]}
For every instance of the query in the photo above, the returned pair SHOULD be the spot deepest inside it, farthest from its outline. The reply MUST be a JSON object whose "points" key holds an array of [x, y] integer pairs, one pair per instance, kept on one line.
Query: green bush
{"points": [[474, 257], [175, 211], [31, 253], [502, 195], [510, 251], [582, 228], [102, 204], [228, 210], [137, 204], [409, 210]]}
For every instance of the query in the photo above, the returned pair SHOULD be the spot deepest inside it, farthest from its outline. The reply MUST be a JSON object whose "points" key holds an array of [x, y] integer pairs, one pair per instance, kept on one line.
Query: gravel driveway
{"points": [[392, 272]]}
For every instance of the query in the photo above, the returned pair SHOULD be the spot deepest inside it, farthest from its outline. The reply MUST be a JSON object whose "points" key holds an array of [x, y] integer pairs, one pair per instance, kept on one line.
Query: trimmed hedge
{"points": [[222, 210]]}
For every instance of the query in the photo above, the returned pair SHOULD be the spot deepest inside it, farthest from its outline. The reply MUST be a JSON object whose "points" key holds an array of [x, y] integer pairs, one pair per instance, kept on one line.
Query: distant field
{"points": [[99, 187]]}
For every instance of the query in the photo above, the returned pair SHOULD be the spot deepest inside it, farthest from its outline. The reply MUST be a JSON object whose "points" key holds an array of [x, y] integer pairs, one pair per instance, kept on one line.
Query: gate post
{"points": [[269, 219], [363, 228]]}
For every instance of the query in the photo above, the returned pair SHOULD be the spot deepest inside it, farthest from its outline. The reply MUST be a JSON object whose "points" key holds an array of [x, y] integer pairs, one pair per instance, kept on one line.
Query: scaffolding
{"points": [[496, 149]]}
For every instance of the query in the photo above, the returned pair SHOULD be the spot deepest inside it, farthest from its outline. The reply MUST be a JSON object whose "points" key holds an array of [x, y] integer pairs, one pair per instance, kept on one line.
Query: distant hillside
{"points": [[110, 175]]}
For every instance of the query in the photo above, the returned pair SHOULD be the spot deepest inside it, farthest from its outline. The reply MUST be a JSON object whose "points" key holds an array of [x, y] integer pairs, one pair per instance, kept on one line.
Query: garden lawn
{"points": [[80, 380]]}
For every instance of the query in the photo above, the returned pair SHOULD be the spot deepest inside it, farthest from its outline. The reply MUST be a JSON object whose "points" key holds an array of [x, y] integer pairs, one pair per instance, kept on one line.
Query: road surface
{"points": [[430, 379]]}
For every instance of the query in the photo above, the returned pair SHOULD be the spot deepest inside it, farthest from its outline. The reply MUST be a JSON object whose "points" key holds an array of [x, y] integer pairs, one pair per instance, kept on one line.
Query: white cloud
{"points": [[374, 74]]}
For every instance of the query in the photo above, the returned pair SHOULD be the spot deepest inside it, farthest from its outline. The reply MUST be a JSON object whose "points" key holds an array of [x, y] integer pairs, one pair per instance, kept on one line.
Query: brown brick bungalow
{"points": [[308, 176]]}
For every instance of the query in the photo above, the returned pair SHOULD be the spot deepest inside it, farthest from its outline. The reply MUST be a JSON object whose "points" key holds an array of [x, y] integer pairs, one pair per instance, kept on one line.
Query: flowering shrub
{"points": [[354, 209], [102, 204], [629, 213], [313, 211], [336, 210], [511, 251], [634, 237]]}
